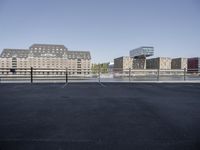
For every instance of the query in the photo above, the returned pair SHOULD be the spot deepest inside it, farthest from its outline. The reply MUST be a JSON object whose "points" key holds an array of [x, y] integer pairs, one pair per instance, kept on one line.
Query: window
{"points": [[79, 66]]}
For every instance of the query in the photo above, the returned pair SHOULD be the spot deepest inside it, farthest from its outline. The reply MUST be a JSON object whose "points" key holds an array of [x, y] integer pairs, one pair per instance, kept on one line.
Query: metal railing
{"points": [[31, 75]]}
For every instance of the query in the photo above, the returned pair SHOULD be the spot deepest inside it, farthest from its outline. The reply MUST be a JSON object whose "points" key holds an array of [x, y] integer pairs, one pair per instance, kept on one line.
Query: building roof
{"points": [[78, 55], [48, 53], [179, 58], [46, 50], [159, 58], [47, 46], [19, 53], [194, 58], [123, 57]]}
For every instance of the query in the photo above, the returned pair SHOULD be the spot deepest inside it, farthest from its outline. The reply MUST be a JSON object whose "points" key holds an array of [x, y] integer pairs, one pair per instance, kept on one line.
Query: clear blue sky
{"points": [[108, 28]]}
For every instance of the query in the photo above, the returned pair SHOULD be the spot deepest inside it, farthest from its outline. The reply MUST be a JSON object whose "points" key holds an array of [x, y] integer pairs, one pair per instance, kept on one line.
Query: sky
{"points": [[107, 28]]}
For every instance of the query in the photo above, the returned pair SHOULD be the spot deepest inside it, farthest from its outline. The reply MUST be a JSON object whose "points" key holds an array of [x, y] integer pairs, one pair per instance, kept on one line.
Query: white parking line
{"points": [[65, 85], [101, 84]]}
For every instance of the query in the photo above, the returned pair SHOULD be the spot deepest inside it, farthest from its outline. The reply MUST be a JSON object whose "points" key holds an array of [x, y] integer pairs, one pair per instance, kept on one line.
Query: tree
{"points": [[102, 67]]}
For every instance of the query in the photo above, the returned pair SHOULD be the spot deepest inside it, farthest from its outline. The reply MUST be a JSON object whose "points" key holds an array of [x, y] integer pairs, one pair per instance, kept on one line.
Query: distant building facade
{"points": [[47, 56], [139, 63], [193, 65], [142, 52], [123, 63], [179, 63], [139, 56], [158, 63]]}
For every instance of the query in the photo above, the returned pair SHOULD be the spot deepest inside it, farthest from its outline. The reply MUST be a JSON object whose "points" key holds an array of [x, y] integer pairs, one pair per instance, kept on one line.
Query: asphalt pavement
{"points": [[98, 116]]}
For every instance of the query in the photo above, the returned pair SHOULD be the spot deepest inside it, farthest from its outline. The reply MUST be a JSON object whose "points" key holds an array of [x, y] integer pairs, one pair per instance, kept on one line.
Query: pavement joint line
{"points": [[65, 85]]}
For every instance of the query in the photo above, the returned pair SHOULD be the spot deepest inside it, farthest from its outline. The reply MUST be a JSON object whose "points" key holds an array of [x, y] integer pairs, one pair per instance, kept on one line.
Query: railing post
{"points": [[31, 74], [129, 74], [99, 71], [66, 79], [158, 75], [184, 74]]}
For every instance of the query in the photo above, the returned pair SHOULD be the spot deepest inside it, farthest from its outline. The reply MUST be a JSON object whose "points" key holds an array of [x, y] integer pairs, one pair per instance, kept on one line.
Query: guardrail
{"points": [[95, 75]]}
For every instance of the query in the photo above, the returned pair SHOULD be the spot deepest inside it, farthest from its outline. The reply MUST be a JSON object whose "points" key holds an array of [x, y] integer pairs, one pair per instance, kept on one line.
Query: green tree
{"points": [[102, 67]]}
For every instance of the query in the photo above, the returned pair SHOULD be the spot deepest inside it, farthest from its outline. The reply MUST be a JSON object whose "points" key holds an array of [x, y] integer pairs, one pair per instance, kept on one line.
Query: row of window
{"points": [[44, 73], [39, 48]]}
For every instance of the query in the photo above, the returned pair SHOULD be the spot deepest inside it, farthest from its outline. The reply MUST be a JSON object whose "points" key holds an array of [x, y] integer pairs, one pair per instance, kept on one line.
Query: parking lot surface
{"points": [[112, 116]]}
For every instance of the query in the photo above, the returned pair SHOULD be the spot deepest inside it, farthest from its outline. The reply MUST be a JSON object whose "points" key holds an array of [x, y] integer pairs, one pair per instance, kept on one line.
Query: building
{"points": [[14, 58], [123, 63], [193, 65], [158, 63], [142, 52], [139, 63], [47, 56], [139, 56], [135, 60], [179, 63]]}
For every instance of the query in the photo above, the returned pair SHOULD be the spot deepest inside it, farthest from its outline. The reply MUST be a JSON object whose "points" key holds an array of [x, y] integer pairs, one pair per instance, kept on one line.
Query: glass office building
{"points": [[142, 52]]}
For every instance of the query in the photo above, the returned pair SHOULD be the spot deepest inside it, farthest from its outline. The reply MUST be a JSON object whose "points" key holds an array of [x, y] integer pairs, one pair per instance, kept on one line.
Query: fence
{"points": [[31, 75]]}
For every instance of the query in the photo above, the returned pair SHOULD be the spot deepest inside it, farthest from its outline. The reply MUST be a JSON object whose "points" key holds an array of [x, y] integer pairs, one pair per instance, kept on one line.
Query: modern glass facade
{"points": [[142, 52]]}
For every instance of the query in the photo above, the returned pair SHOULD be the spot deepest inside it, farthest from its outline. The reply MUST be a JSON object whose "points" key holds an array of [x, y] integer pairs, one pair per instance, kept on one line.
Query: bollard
{"points": [[66, 78], [158, 75], [99, 71], [31, 74], [184, 74], [129, 74]]}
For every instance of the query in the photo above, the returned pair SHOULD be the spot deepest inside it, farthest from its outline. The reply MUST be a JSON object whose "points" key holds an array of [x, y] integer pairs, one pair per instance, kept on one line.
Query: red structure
{"points": [[193, 65]]}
